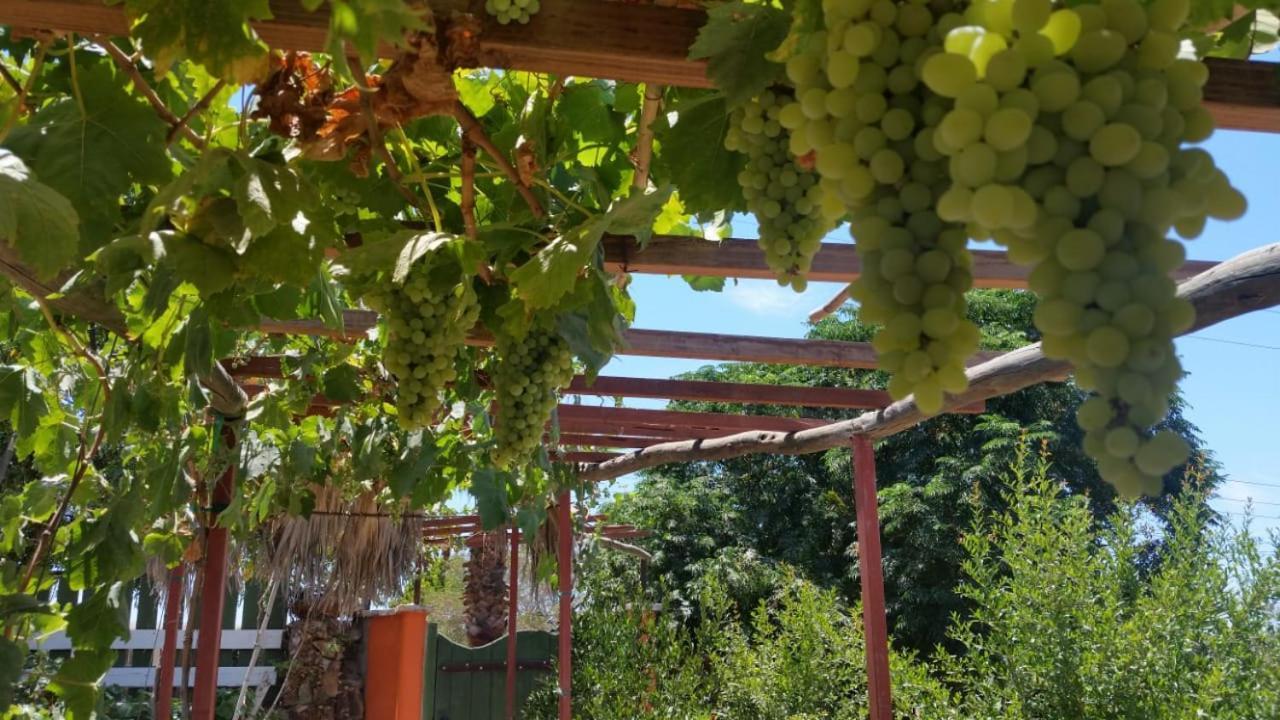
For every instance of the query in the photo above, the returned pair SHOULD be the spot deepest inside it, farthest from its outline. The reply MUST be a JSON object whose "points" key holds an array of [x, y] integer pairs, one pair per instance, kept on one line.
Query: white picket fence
{"points": [[140, 652]]}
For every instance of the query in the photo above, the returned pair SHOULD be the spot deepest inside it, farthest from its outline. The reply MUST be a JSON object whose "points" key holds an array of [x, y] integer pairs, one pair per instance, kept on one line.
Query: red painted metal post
{"points": [[513, 609], [873, 611], [565, 657], [169, 653], [213, 594]]}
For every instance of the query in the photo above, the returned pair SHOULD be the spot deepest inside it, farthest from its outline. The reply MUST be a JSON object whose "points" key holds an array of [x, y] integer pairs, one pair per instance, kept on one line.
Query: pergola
{"points": [[650, 44]]}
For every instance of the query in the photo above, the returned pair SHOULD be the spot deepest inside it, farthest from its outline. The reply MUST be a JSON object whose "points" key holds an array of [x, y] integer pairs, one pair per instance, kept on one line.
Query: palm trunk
{"points": [[485, 595]]}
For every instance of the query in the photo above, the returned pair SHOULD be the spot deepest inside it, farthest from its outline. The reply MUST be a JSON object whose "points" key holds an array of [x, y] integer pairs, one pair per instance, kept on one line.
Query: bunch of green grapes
{"points": [[861, 109], [783, 195], [1067, 143], [528, 374], [428, 318], [509, 11]]}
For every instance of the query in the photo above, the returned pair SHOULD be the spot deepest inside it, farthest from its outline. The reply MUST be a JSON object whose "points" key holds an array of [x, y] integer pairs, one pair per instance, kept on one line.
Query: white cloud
{"points": [[767, 299]]}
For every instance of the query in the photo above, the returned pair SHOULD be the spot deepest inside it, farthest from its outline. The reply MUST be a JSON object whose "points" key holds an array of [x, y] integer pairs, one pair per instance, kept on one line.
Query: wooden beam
{"points": [[583, 456], [834, 262], [665, 344], [681, 420], [610, 40], [729, 392], [581, 440], [1247, 282]]}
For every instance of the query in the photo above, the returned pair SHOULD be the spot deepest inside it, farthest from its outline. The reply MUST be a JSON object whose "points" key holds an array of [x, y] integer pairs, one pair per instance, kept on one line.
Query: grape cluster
{"points": [[1066, 143], [861, 108], [428, 318], [509, 11], [783, 195], [528, 374]]}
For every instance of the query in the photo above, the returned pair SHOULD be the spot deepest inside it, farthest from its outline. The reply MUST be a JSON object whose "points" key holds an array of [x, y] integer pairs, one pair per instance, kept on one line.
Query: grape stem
{"points": [[468, 201], [472, 129], [201, 105], [379, 146]]}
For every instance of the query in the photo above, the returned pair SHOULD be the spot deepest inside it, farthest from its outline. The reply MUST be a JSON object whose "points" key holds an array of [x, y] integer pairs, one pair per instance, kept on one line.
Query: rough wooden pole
{"points": [[513, 610], [213, 594], [875, 626], [169, 653], [564, 529]]}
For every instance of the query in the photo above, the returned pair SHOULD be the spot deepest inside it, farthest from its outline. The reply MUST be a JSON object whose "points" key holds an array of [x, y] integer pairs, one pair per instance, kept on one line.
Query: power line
{"points": [[1248, 500], [1255, 346], [1250, 482]]}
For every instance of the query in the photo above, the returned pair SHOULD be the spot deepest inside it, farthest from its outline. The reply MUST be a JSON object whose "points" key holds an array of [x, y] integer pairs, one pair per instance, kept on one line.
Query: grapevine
{"points": [[1097, 109], [428, 318], [528, 374], [784, 196]]}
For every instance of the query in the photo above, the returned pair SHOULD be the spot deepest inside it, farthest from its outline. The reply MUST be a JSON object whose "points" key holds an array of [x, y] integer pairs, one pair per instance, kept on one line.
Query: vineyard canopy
{"points": [[201, 203]]}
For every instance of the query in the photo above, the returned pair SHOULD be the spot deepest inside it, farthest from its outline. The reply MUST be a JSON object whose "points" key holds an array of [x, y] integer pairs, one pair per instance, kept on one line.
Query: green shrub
{"points": [[1074, 619], [1075, 622]]}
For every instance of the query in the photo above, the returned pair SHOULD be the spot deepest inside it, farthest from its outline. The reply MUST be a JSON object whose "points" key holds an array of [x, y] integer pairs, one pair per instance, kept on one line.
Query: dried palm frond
{"points": [[347, 555]]}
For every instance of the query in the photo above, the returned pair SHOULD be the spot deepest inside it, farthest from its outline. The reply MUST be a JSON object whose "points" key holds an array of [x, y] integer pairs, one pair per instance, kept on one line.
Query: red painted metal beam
{"points": [[564, 658], [875, 624], [213, 594], [674, 419], [513, 605], [169, 653]]}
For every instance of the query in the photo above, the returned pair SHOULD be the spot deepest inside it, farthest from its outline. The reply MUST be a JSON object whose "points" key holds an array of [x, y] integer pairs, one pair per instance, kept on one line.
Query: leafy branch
{"points": [[472, 129], [84, 458], [130, 68], [201, 105], [20, 103]]}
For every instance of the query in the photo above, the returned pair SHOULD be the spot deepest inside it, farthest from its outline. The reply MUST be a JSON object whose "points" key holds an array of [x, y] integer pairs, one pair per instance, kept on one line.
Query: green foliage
{"points": [[1072, 621], [215, 35], [735, 41], [35, 220], [1071, 618], [935, 478]]}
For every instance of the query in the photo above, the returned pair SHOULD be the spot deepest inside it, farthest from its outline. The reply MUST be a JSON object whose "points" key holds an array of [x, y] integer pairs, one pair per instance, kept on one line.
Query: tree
{"points": [[798, 511]]}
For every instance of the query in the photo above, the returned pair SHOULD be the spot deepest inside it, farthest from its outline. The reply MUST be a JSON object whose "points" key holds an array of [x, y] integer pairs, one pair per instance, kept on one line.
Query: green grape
{"points": [[528, 373], [786, 198], [949, 75], [1007, 129], [1062, 29], [428, 318], [508, 11]]}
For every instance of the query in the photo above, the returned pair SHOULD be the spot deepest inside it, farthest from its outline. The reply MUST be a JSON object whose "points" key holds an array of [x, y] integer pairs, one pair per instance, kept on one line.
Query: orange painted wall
{"points": [[394, 652]]}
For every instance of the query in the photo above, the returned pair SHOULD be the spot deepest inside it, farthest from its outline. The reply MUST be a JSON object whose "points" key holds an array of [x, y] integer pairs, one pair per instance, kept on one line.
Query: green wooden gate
{"points": [[464, 683]]}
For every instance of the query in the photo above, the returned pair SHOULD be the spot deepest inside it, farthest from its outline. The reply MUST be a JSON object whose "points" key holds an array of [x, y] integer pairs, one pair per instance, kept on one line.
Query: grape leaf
{"points": [[368, 23], [489, 488], [734, 42], [281, 256], [216, 35], [635, 214], [342, 384], [703, 283], [694, 157], [267, 195], [35, 220], [197, 356], [550, 274], [79, 680], [94, 157], [12, 656], [418, 245], [585, 109], [209, 268]]}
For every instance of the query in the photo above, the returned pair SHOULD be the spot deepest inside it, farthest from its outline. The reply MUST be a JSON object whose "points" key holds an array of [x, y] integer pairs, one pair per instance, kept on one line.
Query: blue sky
{"points": [[1233, 389]]}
